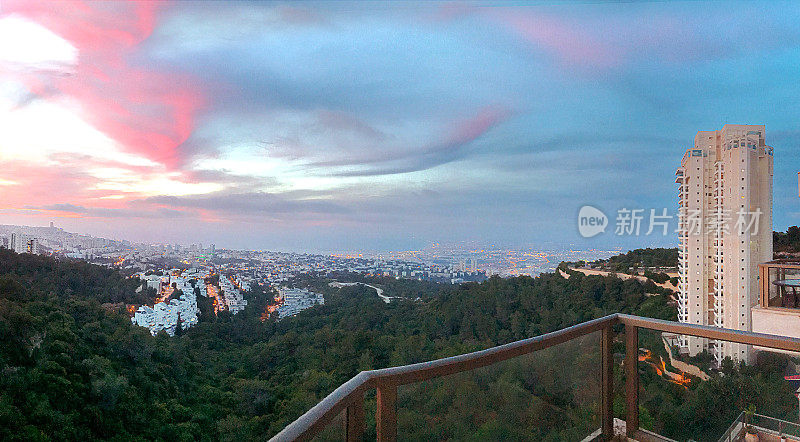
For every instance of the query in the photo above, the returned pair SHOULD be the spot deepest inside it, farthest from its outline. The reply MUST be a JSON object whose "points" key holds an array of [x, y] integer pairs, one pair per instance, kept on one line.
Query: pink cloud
{"points": [[468, 130], [149, 113], [566, 41]]}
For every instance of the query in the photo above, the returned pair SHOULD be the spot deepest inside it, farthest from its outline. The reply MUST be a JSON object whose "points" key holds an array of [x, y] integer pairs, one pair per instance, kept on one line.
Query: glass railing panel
{"points": [[773, 293], [686, 397], [334, 431], [784, 287], [549, 395]]}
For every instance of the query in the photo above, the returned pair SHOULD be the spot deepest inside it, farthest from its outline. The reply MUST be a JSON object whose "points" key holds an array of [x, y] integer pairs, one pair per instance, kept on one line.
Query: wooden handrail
{"points": [[315, 419], [310, 423], [720, 334], [424, 371], [388, 379]]}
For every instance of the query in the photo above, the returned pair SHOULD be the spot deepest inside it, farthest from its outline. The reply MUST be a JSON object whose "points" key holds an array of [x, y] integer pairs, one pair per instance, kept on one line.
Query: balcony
{"points": [[767, 428], [778, 310], [780, 284], [400, 391]]}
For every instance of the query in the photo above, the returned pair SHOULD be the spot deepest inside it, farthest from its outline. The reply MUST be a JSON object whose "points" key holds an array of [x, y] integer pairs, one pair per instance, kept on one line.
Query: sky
{"points": [[341, 126]]}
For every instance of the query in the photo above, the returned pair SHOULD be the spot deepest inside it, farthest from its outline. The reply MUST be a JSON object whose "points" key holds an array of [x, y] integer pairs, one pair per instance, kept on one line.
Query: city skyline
{"points": [[342, 126]]}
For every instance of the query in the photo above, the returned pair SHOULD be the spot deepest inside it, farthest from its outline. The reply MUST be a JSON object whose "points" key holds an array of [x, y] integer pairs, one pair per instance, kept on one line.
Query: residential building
{"points": [[297, 300], [725, 231], [17, 243], [32, 246], [165, 315]]}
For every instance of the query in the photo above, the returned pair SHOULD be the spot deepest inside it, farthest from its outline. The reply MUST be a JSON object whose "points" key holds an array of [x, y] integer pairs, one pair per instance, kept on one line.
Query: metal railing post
{"points": [[607, 387], [354, 422], [632, 379], [386, 413]]}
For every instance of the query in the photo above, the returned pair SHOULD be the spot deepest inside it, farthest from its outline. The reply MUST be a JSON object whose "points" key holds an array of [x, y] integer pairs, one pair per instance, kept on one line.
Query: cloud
{"points": [[148, 112], [63, 207], [567, 42], [108, 212], [44, 51], [252, 203], [342, 121], [596, 39], [452, 147], [335, 122]]}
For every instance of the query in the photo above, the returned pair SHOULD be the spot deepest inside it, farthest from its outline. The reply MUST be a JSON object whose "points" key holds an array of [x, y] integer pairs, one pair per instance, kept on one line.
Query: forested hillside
{"points": [[74, 369], [640, 258]]}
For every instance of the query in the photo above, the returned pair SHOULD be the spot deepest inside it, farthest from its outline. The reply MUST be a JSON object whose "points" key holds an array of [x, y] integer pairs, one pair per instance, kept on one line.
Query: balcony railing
{"points": [[768, 428], [349, 397], [780, 284]]}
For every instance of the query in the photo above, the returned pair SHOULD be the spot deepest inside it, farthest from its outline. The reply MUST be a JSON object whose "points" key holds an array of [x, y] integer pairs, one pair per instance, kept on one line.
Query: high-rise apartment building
{"points": [[17, 243], [725, 231]]}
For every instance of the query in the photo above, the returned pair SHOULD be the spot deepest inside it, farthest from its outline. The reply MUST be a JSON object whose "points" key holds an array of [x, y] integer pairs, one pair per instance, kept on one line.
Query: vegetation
{"points": [[641, 258], [787, 242], [75, 368]]}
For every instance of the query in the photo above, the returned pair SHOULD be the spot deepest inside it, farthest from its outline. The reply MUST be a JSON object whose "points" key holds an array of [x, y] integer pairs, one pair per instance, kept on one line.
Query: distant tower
{"points": [[17, 243], [51, 224], [726, 173]]}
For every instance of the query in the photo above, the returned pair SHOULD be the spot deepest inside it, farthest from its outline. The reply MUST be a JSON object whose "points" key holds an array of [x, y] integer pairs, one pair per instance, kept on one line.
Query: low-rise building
{"points": [[165, 315], [296, 300]]}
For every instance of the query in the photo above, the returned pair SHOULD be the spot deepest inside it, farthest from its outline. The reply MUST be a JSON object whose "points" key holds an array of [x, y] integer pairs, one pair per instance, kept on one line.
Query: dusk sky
{"points": [[378, 126]]}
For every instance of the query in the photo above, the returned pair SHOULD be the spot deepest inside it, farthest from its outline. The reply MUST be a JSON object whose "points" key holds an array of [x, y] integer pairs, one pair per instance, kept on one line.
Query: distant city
{"points": [[440, 263], [179, 273]]}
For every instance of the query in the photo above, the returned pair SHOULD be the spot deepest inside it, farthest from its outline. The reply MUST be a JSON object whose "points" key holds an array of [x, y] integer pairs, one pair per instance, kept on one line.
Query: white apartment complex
{"points": [[297, 300], [725, 231], [233, 298], [164, 316], [21, 243]]}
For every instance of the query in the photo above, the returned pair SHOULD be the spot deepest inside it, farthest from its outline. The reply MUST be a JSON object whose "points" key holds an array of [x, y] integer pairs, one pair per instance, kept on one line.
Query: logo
{"points": [[591, 221]]}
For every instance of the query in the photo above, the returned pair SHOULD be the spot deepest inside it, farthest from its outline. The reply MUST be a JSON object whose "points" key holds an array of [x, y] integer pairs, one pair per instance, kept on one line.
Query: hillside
{"points": [[642, 258], [77, 370]]}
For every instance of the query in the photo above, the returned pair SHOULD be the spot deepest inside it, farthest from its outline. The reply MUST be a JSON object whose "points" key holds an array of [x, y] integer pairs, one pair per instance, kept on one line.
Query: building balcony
{"points": [[778, 309], [780, 284], [767, 428], [475, 391]]}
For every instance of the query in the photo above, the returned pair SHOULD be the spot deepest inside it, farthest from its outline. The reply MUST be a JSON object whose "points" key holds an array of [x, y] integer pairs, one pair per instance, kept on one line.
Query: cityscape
{"points": [[356, 221], [177, 273]]}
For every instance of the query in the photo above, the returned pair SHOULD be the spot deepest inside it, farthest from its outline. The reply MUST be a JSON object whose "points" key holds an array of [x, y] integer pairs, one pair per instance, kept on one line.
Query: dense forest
{"points": [[75, 368]]}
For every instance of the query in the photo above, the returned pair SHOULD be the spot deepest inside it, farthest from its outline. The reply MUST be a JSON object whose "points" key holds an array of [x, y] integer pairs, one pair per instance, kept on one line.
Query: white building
{"points": [[725, 231], [164, 316], [233, 298], [18, 242], [297, 300], [32, 246]]}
